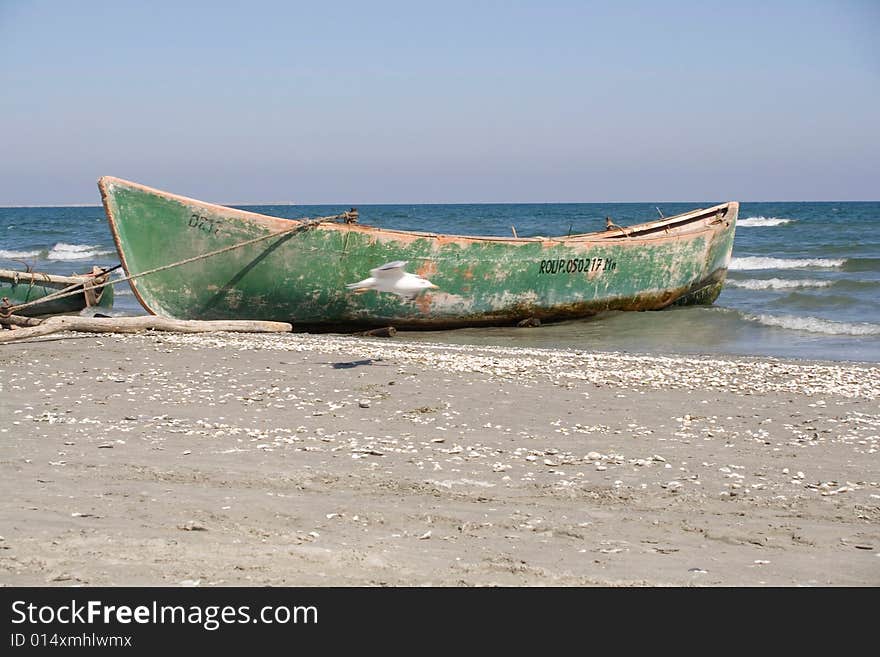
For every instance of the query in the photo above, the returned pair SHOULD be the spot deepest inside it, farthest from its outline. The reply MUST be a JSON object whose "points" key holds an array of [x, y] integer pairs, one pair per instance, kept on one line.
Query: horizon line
{"points": [[237, 204]]}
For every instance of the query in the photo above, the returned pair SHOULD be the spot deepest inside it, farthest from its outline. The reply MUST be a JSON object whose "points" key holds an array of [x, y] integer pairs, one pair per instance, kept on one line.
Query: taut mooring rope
{"points": [[70, 291]]}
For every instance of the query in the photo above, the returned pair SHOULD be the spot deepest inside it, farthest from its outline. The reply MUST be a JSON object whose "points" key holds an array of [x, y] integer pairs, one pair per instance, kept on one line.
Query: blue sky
{"points": [[356, 102]]}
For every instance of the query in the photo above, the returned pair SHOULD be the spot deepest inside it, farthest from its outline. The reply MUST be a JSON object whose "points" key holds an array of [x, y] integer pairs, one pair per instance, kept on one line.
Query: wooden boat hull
{"points": [[23, 287], [300, 276]]}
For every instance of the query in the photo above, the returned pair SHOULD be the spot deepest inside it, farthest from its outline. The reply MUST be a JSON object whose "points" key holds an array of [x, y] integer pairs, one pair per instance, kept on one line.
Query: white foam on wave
{"points": [[777, 284], [759, 262], [63, 251], [754, 222], [18, 254], [816, 325]]}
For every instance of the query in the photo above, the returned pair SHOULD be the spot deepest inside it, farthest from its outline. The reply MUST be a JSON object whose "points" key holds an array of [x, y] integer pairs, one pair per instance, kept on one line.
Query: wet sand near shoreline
{"points": [[303, 460]]}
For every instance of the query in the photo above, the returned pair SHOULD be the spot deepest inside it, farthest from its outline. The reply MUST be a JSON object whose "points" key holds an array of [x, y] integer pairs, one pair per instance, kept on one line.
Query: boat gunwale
{"points": [[621, 233]]}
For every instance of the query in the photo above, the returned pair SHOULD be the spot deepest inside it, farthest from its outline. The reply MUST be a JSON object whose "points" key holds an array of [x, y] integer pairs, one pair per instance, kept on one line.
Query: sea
{"points": [[804, 281]]}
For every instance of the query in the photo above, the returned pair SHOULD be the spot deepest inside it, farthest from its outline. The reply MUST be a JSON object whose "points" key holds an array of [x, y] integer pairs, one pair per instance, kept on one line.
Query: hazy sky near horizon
{"points": [[417, 102]]}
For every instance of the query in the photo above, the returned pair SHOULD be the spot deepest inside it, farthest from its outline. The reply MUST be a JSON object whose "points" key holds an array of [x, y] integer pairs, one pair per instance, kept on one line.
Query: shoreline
{"points": [[317, 459], [405, 337]]}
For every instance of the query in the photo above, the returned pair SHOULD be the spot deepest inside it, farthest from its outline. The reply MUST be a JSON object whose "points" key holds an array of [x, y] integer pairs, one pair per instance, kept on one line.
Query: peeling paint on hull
{"points": [[300, 276]]}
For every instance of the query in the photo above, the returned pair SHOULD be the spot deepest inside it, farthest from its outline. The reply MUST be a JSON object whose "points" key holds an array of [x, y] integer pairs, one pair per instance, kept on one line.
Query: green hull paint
{"points": [[300, 276], [23, 287]]}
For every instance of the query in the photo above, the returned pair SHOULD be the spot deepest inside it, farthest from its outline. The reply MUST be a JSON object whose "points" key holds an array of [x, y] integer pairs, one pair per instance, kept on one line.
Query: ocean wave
{"points": [[862, 264], [753, 222], [63, 251], [816, 325], [759, 262], [776, 283], [19, 254]]}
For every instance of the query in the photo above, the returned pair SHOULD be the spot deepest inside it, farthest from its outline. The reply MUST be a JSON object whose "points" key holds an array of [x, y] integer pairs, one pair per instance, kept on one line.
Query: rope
{"points": [[303, 225], [70, 290]]}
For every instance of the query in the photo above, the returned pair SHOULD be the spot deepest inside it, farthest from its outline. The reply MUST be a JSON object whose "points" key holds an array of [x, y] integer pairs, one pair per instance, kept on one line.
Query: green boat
{"points": [[27, 287], [195, 260]]}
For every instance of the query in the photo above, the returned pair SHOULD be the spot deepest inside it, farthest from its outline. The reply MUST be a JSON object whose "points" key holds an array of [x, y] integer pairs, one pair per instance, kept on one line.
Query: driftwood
{"points": [[131, 325], [19, 320]]}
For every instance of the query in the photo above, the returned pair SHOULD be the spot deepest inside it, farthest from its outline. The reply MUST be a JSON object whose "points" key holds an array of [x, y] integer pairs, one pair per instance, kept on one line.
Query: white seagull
{"points": [[390, 277]]}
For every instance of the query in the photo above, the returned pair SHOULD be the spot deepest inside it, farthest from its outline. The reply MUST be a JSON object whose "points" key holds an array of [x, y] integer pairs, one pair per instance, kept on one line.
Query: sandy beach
{"points": [[310, 460]]}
